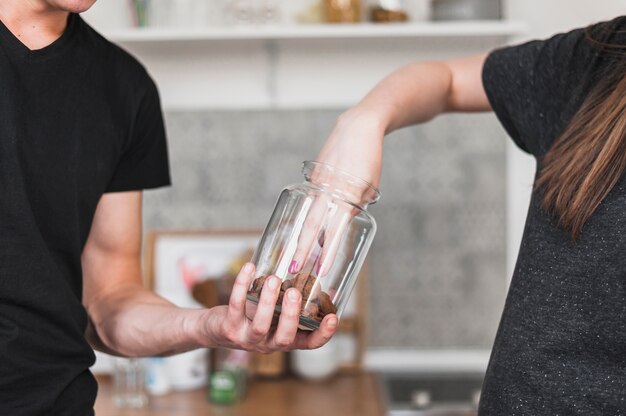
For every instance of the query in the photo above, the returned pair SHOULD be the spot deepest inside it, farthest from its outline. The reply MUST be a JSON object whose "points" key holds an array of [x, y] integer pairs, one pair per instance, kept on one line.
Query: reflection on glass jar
{"points": [[316, 241], [342, 11]]}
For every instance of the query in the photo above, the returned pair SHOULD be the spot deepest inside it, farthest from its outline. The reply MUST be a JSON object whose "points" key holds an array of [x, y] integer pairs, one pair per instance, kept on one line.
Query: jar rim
{"points": [[369, 194]]}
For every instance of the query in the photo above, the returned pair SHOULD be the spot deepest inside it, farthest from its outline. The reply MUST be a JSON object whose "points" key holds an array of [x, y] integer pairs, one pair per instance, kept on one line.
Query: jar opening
{"points": [[347, 186]]}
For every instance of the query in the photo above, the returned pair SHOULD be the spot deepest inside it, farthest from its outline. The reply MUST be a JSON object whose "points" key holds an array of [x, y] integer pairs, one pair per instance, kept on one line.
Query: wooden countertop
{"points": [[344, 395]]}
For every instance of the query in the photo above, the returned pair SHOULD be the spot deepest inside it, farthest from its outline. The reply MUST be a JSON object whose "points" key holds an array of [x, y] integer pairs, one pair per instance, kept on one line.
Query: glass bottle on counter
{"points": [[229, 376], [316, 241], [129, 389]]}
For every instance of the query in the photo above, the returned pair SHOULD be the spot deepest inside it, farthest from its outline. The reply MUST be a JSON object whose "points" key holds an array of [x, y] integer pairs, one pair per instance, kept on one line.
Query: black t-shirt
{"points": [[561, 345], [78, 118]]}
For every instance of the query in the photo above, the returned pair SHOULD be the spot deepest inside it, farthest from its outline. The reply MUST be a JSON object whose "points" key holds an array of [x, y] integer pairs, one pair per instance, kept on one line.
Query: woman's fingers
{"points": [[309, 234], [333, 236]]}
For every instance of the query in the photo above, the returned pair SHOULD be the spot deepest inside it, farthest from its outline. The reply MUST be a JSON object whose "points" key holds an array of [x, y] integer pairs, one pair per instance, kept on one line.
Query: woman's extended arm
{"points": [[413, 94]]}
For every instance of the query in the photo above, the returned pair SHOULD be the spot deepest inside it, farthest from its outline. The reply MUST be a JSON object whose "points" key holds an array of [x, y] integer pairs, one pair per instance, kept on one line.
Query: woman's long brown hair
{"points": [[589, 157]]}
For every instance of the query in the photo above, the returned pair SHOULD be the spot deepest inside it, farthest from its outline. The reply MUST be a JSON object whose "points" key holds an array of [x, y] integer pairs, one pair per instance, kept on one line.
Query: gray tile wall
{"points": [[438, 262]]}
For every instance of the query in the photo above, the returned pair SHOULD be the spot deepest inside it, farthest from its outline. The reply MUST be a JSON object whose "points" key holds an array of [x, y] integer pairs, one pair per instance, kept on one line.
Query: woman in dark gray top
{"points": [[561, 345]]}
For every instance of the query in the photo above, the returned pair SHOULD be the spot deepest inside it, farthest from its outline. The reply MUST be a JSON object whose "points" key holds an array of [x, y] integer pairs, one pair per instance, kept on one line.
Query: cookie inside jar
{"points": [[316, 303]]}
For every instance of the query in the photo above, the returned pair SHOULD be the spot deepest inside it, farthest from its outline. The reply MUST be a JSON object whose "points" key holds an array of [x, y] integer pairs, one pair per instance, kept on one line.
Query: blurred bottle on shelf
{"points": [[388, 11], [265, 366], [466, 10], [342, 11], [318, 364], [229, 376], [129, 388], [246, 12], [140, 10], [184, 13], [157, 379], [189, 370]]}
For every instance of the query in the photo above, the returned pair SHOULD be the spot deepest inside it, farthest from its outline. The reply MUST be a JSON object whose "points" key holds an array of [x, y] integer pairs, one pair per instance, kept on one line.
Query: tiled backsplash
{"points": [[437, 265]]}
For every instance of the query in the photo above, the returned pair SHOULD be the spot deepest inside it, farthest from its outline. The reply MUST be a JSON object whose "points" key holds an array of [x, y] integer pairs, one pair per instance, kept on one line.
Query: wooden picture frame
{"points": [[175, 259]]}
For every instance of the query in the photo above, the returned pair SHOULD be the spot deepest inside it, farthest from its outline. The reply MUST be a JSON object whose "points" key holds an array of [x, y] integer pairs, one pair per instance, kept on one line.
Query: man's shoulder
{"points": [[112, 57]]}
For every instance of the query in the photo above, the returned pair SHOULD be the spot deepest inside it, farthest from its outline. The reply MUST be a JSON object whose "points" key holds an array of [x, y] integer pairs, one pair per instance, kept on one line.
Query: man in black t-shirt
{"points": [[81, 135]]}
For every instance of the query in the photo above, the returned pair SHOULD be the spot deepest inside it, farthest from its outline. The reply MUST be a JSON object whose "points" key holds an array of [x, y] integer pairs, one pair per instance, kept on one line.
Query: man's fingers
{"points": [[237, 301], [289, 319], [260, 325], [315, 339]]}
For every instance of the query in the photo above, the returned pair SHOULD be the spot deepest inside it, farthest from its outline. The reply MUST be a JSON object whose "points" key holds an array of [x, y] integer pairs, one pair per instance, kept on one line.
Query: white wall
{"points": [[547, 17]]}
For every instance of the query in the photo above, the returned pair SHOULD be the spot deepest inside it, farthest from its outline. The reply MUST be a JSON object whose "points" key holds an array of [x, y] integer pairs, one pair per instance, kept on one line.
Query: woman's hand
{"points": [[355, 147], [228, 326], [355, 144]]}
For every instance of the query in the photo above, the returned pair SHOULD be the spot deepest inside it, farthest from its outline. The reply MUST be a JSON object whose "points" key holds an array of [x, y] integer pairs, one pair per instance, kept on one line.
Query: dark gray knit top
{"points": [[561, 345]]}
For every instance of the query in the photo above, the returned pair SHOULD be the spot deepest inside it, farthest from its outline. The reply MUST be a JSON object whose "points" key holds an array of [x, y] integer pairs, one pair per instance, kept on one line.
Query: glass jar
{"points": [[316, 241]]}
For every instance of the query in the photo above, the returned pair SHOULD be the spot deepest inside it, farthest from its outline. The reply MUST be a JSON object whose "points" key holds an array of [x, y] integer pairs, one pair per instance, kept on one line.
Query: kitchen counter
{"points": [[345, 395]]}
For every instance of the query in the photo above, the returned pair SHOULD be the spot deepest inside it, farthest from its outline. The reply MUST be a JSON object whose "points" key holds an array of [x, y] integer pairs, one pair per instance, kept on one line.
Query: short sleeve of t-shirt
{"points": [[536, 87], [144, 161]]}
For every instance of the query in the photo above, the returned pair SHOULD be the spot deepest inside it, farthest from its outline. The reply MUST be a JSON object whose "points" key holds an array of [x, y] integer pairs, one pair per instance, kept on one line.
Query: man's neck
{"points": [[35, 23]]}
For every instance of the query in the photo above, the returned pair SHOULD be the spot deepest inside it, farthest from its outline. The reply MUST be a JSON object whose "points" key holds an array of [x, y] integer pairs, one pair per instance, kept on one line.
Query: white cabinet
{"points": [[293, 66]]}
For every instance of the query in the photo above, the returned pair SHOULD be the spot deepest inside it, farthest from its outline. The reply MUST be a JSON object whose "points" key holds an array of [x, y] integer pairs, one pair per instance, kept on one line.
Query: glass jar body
{"points": [[334, 234]]}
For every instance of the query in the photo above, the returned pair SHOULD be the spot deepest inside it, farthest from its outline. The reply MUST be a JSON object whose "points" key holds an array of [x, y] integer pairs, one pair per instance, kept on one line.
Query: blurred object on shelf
{"points": [[235, 266], [257, 365], [312, 14], [268, 11], [189, 370], [229, 377], [244, 12], [466, 10], [342, 11], [157, 380], [129, 389], [417, 10], [319, 364], [272, 365], [139, 11], [206, 293], [181, 13], [388, 11], [240, 12], [380, 15], [215, 290]]}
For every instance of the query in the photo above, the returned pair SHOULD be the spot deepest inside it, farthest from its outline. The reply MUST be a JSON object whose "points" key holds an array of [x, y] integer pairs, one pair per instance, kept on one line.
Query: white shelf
{"points": [[319, 31]]}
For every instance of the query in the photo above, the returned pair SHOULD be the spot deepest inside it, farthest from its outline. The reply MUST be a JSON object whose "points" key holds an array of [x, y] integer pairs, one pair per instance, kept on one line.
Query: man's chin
{"points": [[72, 6]]}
